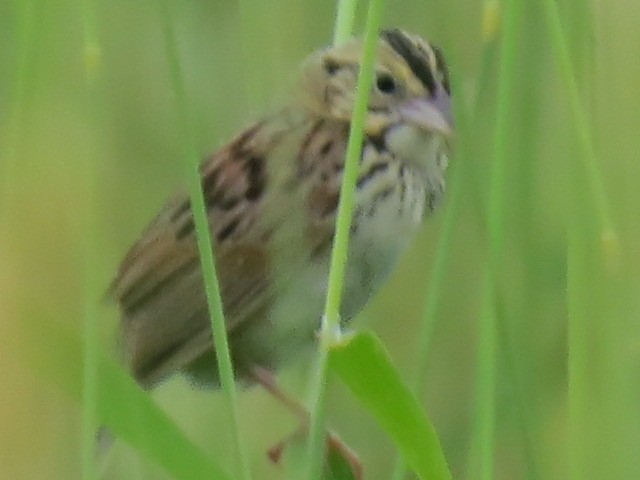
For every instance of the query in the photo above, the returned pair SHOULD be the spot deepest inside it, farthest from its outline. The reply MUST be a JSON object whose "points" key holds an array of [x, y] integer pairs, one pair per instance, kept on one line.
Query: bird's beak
{"points": [[430, 114]]}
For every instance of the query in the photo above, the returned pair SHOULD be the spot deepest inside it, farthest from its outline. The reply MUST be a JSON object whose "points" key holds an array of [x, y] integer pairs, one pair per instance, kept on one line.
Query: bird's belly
{"points": [[291, 329], [376, 244]]}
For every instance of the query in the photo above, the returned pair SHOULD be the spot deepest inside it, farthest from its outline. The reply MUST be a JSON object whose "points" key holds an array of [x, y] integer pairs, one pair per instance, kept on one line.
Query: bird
{"points": [[272, 197]]}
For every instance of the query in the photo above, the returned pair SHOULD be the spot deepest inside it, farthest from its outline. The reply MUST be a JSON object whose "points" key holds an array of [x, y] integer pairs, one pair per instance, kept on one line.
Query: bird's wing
{"points": [[159, 286]]}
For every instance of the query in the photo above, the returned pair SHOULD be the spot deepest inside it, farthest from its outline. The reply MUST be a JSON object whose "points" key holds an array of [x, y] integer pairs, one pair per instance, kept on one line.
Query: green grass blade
{"points": [[484, 110], [90, 423], [364, 366], [128, 412], [345, 18], [28, 23], [597, 195], [347, 193], [205, 244], [578, 346], [588, 283], [484, 430], [330, 329], [484, 434], [251, 30], [591, 252]]}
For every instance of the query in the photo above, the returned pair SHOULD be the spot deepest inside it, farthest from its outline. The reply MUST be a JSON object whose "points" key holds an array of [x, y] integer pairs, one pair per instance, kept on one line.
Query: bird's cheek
{"points": [[411, 144], [378, 122]]}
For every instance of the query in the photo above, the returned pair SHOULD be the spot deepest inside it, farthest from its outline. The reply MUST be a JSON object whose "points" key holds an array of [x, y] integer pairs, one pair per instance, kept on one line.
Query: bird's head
{"points": [[411, 84]]}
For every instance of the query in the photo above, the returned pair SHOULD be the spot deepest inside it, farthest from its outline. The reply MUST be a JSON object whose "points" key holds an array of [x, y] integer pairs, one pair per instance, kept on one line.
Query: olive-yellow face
{"points": [[410, 84]]}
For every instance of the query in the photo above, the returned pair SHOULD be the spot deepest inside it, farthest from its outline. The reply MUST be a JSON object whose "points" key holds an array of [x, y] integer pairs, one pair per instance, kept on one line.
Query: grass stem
{"points": [[484, 434], [203, 235], [90, 420], [586, 145], [330, 329], [345, 18], [27, 31], [585, 288]]}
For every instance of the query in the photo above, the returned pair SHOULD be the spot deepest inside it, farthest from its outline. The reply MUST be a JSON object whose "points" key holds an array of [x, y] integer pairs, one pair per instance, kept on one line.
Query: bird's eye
{"points": [[386, 83], [330, 67]]}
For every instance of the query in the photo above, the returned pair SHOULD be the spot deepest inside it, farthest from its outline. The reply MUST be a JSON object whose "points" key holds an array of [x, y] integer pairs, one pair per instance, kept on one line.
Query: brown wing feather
{"points": [[159, 287]]}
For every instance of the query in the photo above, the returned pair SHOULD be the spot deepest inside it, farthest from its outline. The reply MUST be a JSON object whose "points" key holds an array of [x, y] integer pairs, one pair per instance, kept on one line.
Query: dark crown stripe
{"points": [[416, 60], [442, 67]]}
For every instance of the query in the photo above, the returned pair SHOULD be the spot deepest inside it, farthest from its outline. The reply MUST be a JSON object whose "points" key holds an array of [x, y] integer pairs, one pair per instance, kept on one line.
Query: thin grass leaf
{"points": [[29, 14], [364, 365], [203, 235], [597, 196], [330, 329], [587, 281], [90, 423], [251, 30], [484, 434], [589, 252], [56, 354], [483, 110], [345, 19]]}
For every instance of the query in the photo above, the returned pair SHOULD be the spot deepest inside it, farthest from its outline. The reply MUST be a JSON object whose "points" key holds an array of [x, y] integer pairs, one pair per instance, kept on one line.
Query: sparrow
{"points": [[271, 197]]}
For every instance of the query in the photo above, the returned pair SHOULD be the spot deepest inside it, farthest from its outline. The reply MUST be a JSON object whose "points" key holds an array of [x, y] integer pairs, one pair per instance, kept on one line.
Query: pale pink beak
{"points": [[430, 114]]}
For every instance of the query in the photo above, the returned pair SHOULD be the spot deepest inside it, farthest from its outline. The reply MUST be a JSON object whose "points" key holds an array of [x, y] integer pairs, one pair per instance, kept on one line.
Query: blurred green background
{"points": [[239, 61]]}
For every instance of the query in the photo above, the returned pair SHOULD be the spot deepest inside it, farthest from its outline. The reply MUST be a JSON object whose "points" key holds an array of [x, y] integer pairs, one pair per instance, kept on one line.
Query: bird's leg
{"points": [[268, 381]]}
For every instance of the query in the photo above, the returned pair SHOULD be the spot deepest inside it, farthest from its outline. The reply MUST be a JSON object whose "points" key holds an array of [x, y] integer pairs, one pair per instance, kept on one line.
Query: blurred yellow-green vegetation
{"points": [[84, 166]]}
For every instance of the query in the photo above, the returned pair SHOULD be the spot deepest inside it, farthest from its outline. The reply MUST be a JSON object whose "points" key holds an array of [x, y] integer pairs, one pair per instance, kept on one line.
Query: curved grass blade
{"points": [[365, 367], [122, 406], [330, 329], [203, 237]]}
